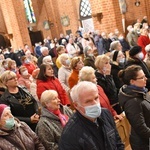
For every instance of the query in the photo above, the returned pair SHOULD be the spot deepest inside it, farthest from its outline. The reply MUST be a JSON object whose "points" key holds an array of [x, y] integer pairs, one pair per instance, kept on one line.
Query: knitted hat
{"points": [[135, 50], [2, 108]]}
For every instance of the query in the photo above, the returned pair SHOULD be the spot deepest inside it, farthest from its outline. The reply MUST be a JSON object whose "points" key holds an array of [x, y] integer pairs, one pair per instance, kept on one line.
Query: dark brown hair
{"points": [[129, 73]]}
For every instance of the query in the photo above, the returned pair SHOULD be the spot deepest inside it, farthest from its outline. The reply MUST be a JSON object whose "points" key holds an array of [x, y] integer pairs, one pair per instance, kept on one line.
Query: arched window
{"points": [[85, 16], [29, 11], [85, 9]]}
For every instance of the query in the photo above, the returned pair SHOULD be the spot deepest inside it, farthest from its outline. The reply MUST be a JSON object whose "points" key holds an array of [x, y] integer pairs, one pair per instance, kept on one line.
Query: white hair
{"points": [[63, 57], [80, 88], [42, 49], [47, 58]]}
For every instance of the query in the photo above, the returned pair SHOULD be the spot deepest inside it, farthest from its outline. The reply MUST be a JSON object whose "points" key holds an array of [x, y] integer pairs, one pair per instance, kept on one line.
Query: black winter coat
{"points": [[108, 85], [82, 134], [22, 111], [136, 105]]}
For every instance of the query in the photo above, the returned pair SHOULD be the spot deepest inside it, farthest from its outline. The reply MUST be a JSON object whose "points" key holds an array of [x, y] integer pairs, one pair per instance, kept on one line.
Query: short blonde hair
{"points": [[63, 57], [47, 96], [101, 60], [10, 63], [6, 76], [85, 73]]}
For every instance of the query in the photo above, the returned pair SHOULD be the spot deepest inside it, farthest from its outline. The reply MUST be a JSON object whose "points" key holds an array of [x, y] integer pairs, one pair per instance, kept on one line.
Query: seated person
{"points": [[23, 105], [15, 134], [54, 117]]}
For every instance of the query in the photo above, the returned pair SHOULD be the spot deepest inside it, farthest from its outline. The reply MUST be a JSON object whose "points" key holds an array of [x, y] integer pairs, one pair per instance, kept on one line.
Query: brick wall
{"points": [[53, 10]]}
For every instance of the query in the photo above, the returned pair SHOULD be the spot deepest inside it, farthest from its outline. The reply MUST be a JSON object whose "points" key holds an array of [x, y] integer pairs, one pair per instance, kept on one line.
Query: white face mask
{"points": [[141, 56], [25, 73], [122, 61], [68, 62], [93, 111]]}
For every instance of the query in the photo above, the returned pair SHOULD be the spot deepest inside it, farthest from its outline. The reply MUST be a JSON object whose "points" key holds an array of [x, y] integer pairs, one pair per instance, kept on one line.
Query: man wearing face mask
{"points": [[15, 134], [136, 58], [91, 127]]}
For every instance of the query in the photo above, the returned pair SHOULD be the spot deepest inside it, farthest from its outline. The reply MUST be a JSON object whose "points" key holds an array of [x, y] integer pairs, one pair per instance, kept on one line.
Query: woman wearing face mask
{"points": [[117, 63], [15, 134], [25, 79], [28, 64], [105, 80], [64, 71], [136, 58], [89, 57]]}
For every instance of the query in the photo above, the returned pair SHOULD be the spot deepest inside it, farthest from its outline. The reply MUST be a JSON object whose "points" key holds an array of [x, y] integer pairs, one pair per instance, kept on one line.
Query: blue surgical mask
{"points": [[67, 62], [9, 123], [141, 56], [93, 111]]}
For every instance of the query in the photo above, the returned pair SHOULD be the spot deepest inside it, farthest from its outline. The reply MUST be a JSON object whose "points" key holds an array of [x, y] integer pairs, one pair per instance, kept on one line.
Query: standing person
{"points": [[15, 134], [22, 103], [91, 127], [76, 65], [136, 58], [53, 119], [134, 99], [105, 80]]}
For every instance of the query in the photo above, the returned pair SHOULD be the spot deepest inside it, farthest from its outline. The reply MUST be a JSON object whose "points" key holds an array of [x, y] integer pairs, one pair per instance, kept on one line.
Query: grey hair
{"points": [[80, 88], [46, 58], [42, 49], [114, 45]]}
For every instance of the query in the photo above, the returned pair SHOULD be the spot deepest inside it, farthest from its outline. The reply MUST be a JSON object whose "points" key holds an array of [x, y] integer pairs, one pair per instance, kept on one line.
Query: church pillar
{"points": [[16, 23]]}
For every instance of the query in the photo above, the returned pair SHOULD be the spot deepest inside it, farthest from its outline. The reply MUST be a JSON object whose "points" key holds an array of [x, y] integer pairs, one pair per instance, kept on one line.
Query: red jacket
{"points": [[52, 84], [104, 101], [143, 41], [30, 67]]}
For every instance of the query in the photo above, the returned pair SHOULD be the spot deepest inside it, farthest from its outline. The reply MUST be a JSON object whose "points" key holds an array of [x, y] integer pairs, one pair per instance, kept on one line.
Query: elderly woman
{"points": [[22, 103], [46, 81], [89, 57], [28, 64], [117, 63], [105, 80], [88, 74], [15, 134], [25, 78], [134, 99], [76, 66], [54, 117], [64, 71], [116, 45]]}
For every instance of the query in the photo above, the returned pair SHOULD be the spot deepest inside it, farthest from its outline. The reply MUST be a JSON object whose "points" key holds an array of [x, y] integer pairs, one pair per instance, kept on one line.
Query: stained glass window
{"points": [[29, 11]]}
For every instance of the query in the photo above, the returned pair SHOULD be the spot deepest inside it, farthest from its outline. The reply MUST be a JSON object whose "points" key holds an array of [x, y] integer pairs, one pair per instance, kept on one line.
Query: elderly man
{"points": [[45, 52], [91, 127]]}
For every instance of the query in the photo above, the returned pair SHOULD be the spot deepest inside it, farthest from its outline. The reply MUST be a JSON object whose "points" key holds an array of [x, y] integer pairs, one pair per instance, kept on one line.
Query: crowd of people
{"points": [[67, 93]]}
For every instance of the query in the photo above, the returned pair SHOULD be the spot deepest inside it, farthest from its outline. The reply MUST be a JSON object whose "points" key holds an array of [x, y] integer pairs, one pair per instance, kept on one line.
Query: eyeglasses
{"points": [[12, 78], [141, 78]]}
